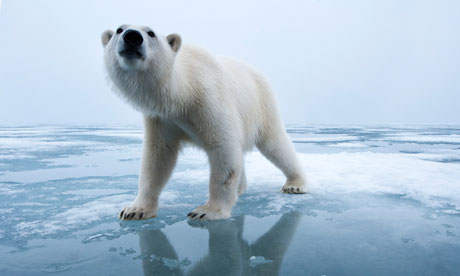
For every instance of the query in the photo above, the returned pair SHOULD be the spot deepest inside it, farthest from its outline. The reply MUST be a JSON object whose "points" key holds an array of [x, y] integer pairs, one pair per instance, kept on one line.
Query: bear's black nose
{"points": [[133, 38]]}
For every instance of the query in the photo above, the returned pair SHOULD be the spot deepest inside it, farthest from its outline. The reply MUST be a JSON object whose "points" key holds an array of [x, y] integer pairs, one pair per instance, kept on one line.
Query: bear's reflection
{"points": [[228, 253]]}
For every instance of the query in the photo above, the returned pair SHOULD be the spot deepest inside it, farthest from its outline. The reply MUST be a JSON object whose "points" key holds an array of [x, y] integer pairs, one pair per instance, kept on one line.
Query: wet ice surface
{"points": [[383, 201]]}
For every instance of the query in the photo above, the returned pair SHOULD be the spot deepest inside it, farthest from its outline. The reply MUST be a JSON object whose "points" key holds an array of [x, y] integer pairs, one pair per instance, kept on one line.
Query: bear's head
{"points": [[139, 48]]}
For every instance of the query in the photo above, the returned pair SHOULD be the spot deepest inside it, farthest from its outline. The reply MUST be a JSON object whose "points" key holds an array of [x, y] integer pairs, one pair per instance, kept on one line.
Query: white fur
{"points": [[216, 103]]}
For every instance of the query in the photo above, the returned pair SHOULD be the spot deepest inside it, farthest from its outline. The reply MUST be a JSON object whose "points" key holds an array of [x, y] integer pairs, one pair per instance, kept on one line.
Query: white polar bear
{"points": [[188, 95]]}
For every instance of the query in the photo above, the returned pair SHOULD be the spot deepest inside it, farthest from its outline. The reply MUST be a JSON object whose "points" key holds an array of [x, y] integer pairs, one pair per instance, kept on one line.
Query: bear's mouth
{"points": [[130, 53]]}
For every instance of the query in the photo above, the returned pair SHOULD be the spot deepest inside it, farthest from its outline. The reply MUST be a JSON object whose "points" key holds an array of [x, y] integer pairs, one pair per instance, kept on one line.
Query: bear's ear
{"points": [[174, 41], [106, 36]]}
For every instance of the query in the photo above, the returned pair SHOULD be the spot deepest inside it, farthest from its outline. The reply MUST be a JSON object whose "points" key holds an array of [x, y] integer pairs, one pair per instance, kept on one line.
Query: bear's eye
{"points": [[151, 34], [119, 30]]}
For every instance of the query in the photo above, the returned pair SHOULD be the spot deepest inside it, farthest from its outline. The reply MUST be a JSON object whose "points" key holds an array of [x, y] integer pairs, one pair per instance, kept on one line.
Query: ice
{"points": [[440, 139], [376, 193], [94, 192], [322, 139], [349, 145], [258, 260]]}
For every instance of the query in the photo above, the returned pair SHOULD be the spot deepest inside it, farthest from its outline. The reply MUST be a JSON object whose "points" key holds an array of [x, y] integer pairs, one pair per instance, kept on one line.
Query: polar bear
{"points": [[187, 95]]}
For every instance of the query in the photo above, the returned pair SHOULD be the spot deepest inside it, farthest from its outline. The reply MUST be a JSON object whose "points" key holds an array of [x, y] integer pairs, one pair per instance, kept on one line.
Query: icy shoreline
{"points": [[65, 185]]}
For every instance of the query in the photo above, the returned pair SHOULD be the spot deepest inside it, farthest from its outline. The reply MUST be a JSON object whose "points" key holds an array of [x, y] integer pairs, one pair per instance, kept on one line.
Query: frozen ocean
{"points": [[385, 200]]}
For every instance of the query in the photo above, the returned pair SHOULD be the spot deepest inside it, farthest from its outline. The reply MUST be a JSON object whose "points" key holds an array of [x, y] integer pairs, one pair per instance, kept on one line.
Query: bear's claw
{"points": [[293, 190], [193, 215], [207, 213], [136, 213]]}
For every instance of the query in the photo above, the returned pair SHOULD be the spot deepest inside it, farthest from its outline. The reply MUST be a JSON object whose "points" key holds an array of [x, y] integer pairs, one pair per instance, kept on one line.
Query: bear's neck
{"points": [[155, 94]]}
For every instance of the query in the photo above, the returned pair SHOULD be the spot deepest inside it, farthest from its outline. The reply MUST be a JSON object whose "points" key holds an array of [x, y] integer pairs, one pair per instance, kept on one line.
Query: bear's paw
{"points": [[296, 186], [207, 212]]}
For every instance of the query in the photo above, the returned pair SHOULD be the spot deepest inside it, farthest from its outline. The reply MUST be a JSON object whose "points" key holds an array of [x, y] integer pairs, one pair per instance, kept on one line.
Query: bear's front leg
{"points": [[159, 155], [226, 165]]}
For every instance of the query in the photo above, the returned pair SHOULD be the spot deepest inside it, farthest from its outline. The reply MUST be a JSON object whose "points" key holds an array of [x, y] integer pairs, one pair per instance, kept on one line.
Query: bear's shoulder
{"points": [[196, 58]]}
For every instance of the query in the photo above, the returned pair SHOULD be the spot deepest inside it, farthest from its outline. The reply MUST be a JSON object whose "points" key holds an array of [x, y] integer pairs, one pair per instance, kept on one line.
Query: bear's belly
{"points": [[190, 132]]}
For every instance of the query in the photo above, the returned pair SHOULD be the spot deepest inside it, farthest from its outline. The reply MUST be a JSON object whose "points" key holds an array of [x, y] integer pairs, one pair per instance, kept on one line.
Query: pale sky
{"points": [[379, 61]]}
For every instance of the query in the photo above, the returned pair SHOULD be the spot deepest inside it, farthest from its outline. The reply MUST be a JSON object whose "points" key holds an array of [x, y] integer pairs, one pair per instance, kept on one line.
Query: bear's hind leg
{"points": [[242, 186], [279, 150]]}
